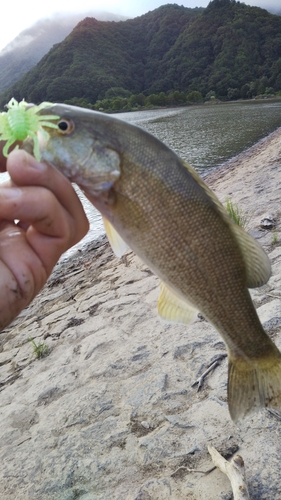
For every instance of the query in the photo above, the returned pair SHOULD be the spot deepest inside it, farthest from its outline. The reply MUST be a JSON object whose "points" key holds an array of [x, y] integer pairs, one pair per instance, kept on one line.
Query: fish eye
{"points": [[66, 126]]}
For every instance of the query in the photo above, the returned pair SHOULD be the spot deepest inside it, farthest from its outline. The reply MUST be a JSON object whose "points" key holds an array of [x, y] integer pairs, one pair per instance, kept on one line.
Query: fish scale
{"points": [[219, 273]]}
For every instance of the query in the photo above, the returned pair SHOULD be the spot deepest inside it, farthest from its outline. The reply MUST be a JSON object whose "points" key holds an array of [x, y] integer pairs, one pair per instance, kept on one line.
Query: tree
{"points": [[178, 97], [232, 94], [210, 96], [139, 99], [116, 92], [157, 99], [194, 97]]}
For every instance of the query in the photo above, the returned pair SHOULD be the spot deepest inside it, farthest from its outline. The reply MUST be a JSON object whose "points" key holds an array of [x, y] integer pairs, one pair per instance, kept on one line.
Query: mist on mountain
{"points": [[26, 50]]}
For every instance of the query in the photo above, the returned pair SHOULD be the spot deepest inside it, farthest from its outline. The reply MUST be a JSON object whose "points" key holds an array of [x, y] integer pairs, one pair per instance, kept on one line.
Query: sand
{"points": [[110, 413]]}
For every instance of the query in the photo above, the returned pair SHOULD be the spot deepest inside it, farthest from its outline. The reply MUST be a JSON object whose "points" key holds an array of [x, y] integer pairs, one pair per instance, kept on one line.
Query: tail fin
{"points": [[252, 386]]}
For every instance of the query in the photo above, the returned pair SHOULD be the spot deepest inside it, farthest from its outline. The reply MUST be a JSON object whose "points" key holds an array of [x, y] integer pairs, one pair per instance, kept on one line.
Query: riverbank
{"points": [[109, 105], [111, 413]]}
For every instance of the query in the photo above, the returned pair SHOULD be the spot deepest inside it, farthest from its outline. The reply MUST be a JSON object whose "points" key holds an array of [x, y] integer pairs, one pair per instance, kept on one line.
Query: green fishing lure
{"points": [[22, 121]]}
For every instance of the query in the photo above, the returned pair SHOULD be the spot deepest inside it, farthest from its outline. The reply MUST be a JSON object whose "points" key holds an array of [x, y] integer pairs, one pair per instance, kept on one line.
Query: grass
{"points": [[39, 350], [274, 238], [236, 213]]}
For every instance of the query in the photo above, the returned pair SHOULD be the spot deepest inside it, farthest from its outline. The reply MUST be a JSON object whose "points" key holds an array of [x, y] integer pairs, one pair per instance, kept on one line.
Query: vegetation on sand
{"points": [[39, 350], [274, 238], [236, 213]]}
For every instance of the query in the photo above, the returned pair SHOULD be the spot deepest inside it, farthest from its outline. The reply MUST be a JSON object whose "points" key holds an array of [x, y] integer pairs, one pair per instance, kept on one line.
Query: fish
{"points": [[156, 204]]}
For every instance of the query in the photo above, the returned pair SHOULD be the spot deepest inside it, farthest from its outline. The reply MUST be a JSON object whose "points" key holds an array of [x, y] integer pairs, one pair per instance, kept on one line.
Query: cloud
{"points": [[66, 20], [20, 41], [272, 6]]}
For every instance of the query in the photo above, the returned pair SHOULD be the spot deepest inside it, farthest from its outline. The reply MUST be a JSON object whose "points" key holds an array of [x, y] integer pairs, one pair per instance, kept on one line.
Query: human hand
{"points": [[51, 220]]}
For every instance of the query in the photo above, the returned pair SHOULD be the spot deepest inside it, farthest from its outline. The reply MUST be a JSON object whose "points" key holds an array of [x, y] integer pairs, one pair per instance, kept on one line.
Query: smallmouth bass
{"points": [[155, 203]]}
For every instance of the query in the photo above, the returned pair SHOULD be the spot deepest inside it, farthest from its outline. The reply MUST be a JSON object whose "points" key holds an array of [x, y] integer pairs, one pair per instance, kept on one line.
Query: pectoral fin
{"points": [[173, 308], [118, 245]]}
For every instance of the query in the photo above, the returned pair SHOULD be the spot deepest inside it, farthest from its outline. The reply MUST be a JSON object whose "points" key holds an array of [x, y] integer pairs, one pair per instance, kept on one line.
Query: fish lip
{"points": [[99, 186]]}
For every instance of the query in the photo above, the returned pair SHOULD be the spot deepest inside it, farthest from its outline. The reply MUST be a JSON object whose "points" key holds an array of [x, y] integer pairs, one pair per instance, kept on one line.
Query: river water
{"points": [[207, 136]]}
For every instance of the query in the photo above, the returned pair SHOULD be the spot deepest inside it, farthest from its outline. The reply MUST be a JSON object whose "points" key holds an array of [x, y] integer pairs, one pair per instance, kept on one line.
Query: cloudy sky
{"points": [[17, 18]]}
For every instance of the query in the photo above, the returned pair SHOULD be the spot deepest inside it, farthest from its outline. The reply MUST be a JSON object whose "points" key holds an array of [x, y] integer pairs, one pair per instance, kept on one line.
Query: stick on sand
{"points": [[235, 471]]}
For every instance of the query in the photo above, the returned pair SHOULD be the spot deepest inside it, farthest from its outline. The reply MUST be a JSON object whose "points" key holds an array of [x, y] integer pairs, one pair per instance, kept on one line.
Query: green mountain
{"points": [[229, 48], [28, 48], [99, 55]]}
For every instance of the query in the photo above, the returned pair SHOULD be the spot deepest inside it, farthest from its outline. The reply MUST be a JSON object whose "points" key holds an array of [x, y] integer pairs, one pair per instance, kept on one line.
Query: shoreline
{"points": [[212, 176], [111, 411], [186, 105]]}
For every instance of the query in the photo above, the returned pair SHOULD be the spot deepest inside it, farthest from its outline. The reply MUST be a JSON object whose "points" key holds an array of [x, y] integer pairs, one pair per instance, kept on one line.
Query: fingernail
{"points": [[27, 160], [10, 193], [33, 163]]}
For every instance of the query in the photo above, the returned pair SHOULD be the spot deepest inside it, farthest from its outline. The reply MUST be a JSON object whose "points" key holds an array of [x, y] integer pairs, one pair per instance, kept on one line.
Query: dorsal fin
{"points": [[258, 268], [118, 245], [173, 308]]}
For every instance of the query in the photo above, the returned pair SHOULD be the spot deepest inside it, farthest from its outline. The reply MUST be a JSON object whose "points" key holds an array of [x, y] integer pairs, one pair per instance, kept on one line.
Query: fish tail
{"points": [[253, 385]]}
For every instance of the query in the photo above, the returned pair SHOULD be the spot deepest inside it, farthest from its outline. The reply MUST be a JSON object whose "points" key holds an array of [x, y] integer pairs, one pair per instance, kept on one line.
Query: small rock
{"points": [[268, 222], [145, 424]]}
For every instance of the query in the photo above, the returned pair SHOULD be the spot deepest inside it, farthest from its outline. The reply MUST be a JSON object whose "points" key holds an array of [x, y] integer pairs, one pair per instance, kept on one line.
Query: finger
{"points": [[22, 273], [25, 170], [36, 205], [3, 159], [23, 225], [51, 229]]}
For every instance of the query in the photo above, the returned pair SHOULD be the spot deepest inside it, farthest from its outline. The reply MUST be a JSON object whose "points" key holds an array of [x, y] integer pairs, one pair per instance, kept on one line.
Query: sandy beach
{"points": [[110, 413]]}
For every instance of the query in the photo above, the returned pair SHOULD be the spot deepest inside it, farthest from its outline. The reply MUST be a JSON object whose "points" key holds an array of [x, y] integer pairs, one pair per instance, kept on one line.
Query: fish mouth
{"points": [[97, 185]]}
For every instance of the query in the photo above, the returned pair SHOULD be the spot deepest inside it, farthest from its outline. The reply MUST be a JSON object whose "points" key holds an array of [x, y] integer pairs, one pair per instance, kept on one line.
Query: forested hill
{"points": [[28, 48], [229, 48], [99, 55]]}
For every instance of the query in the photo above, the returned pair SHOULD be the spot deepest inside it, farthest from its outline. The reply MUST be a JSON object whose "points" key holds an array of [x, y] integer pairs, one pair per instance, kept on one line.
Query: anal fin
{"points": [[172, 308]]}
